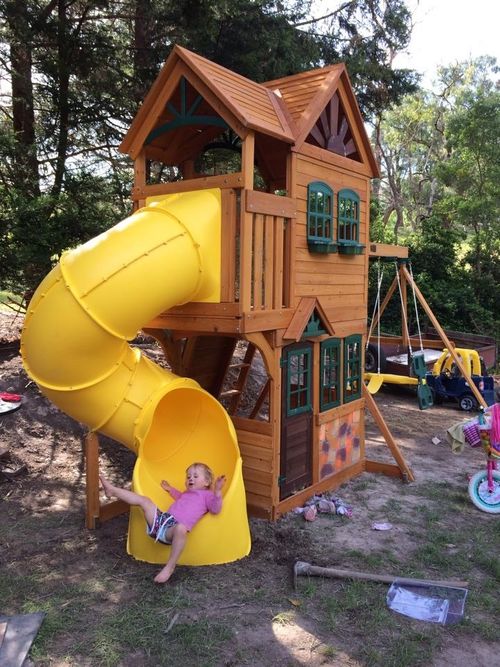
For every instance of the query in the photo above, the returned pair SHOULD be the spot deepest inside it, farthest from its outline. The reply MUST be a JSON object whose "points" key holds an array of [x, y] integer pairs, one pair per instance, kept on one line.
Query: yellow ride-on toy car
{"points": [[447, 383]]}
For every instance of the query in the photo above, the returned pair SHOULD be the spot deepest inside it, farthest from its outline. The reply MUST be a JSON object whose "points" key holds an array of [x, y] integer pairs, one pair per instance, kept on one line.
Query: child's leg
{"points": [[178, 535], [131, 498]]}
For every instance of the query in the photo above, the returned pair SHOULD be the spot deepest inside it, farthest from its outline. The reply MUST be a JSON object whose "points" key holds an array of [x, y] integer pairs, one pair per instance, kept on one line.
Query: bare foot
{"points": [[107, 487], [164, 575]]}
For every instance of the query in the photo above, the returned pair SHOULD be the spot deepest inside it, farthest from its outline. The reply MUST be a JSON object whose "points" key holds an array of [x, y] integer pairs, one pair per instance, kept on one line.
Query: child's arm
{"points": [[219, 483], [175, 493], [215, 503]]}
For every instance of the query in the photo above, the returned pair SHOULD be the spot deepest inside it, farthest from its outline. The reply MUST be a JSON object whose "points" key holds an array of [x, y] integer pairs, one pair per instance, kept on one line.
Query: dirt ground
{"points": [[42, 471]]}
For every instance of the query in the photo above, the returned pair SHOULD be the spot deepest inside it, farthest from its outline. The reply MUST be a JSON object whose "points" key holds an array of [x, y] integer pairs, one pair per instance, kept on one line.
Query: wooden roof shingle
{"points": [[286, 109]]}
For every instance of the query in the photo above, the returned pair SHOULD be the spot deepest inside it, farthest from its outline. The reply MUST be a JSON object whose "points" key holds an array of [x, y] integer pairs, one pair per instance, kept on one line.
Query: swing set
{"points": [[416, 359]]}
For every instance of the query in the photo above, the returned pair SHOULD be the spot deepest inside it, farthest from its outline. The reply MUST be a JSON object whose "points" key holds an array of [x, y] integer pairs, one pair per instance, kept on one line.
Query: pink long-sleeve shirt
{"points": [[189, 506]]}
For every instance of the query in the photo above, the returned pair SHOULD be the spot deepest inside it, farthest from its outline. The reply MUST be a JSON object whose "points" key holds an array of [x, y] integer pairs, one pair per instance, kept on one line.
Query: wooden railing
{"points": [[256, 242], [265, 250]]}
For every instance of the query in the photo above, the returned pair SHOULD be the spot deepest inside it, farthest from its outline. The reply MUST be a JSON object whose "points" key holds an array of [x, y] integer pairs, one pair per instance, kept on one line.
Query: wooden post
{"points": [[372, 406], [404, 310], [92, 479], [246, 232], [445, 340], [95, 512], [140, 178]]}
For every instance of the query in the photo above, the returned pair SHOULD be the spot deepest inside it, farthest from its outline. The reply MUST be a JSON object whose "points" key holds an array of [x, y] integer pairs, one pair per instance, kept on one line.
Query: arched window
{"points": [[320, 221]]}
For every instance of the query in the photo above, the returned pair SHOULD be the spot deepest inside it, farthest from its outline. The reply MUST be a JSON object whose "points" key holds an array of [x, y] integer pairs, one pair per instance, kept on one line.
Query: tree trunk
{"points": [[23, 115], [63, 56]]}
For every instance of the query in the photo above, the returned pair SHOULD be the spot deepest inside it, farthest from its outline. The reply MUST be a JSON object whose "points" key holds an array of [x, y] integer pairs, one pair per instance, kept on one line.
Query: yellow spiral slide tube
{"points": [[74, 346]]}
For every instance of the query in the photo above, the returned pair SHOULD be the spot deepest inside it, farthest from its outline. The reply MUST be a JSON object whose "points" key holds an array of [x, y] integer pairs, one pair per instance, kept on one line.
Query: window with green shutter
{"points": [[352, 368], [320, 221], [299, 381], [348, 223], [330, 374]]}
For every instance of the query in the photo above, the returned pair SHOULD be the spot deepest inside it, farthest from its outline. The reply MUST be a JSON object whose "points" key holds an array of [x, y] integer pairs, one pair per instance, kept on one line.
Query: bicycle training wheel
{"points": [[479, 494]]}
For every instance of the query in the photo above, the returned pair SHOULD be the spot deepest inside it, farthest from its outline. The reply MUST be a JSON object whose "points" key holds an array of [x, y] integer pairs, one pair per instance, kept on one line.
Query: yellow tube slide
{"points": [[74, 346]]}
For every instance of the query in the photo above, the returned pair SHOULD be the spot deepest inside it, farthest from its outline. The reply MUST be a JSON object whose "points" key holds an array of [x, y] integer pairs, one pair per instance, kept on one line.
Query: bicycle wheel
{"points": [[479, 494]]}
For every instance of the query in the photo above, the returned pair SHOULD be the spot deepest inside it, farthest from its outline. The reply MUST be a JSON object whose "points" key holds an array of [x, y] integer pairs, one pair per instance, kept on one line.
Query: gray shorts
{"points": [[162, 522]]}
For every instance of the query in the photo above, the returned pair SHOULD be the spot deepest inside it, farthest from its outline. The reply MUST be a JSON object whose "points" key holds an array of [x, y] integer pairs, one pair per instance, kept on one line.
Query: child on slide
{"points": [[188, 508]]}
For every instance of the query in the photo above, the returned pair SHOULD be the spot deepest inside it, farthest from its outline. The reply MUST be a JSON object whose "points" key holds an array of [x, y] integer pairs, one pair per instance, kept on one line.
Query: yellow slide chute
{"points": [[74, 346]]}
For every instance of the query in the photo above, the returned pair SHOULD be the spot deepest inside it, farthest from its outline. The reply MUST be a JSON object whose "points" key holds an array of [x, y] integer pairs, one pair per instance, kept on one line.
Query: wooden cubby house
{"points": [[284, 349]]}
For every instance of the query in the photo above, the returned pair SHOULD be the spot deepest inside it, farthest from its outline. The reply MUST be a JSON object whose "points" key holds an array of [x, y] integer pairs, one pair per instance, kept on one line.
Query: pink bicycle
{"points": [[484, 486]]}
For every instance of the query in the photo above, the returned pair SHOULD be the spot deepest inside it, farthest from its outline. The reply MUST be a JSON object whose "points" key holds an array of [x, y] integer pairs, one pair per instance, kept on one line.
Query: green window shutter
{"points": [[320, 225], [299, 372], [352, 368], [348, 222], [330, 374]]}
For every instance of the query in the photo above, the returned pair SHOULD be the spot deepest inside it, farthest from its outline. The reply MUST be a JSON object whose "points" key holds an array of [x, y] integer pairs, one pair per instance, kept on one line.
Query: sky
{"points": [[445, 31]]}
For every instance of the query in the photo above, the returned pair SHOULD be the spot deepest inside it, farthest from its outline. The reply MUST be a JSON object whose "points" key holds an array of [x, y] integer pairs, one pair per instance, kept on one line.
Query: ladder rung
{"points": [[229, 392], [240, 365]]}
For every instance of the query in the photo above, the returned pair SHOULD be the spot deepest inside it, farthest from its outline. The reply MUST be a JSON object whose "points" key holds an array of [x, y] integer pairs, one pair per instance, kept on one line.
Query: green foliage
{"points": [[440, 195], [364, 35], [84, 67], [36, 230], [226, 32]]}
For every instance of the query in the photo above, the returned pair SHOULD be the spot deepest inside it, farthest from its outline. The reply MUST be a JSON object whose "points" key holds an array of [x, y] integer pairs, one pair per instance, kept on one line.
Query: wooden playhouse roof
{"points": [[285, 109]]}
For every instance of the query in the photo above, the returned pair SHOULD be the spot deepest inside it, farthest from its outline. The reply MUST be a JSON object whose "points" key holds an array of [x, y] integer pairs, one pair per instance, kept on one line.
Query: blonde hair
{"points": [[206, 470]]}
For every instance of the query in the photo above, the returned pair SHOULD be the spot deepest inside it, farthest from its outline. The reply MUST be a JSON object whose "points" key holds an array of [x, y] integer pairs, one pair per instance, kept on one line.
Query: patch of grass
{"points": [[15, 589], [414, 648], [284, 618], [309, 589], [450, 542], [63, 609], [328, 651], [354, 599], [362, 484], [200, 642], [379, 635], [378, 560], [441, 491]]}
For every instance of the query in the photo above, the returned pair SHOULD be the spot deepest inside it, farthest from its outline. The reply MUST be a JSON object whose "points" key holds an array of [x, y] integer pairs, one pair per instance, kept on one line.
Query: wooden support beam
{"points": [[95, 512], [388, 469], [172, 349], [267, 352], [387, 250], [406, 472], [246, 231], [444, 338], [92, 479], [404, 305], [264, 393]]}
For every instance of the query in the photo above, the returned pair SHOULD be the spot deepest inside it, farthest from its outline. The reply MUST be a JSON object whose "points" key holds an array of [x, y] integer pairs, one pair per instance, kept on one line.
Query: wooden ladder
{"points": [[239, 383]]}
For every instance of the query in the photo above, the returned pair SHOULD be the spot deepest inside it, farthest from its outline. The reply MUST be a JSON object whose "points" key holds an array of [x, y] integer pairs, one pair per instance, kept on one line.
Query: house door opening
{"points": [[296, 423]]}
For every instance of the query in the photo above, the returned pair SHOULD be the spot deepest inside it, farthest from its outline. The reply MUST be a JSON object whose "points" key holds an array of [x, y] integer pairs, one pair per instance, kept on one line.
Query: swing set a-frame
{"points": [[402, 280]]}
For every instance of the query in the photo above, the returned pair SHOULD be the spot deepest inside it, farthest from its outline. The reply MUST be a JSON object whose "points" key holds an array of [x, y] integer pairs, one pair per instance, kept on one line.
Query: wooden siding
{"points": [[255, 440], [338, 280]]}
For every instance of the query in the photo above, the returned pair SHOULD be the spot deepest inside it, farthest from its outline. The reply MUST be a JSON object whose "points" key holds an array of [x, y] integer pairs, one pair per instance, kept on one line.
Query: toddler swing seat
{"points": [[376, 380]]}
